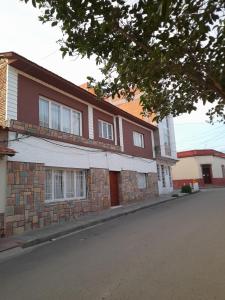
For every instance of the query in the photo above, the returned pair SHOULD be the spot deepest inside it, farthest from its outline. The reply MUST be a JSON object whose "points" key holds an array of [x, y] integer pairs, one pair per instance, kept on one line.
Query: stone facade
{"points": [[128, 187], [3, 79], [26, 208], [49, 133], [1, 225]]}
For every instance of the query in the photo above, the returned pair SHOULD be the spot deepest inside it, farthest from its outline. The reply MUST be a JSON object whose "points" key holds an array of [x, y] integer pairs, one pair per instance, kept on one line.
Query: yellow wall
{"points": [[186, 168]]}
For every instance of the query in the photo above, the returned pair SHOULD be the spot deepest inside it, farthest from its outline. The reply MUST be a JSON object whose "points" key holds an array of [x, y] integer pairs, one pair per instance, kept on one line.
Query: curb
{"points": [[75, 228]]}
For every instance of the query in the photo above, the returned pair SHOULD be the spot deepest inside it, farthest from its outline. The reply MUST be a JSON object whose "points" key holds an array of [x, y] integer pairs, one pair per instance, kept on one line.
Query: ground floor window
{"points": [[170, 176], [142, 180], [65, 184], [163, 176], [158, 172]]}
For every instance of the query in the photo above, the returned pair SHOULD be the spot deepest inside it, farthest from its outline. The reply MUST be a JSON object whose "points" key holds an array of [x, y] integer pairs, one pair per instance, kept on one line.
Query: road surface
{"points": [[175, 251]]}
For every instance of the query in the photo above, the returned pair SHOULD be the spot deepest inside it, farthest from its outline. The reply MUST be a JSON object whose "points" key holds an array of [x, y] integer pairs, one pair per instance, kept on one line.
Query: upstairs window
{"points": [[142, 180], [105, 130], [59, 117], [43, 113], [138, 139], [55, 116]]}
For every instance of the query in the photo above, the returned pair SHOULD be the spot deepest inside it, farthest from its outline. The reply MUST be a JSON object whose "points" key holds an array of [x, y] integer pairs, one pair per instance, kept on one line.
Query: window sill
{"points": [[52, 202]]}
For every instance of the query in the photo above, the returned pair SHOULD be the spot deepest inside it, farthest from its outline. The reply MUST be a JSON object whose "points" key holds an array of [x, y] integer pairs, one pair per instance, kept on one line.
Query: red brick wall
{"points": [[129, 147], [215, 181], [99, 115], [3, 79], [28, 102]]}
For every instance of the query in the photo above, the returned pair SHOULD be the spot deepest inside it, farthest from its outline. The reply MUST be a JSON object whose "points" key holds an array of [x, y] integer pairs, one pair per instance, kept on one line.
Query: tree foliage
{"points": [[173, 51]]}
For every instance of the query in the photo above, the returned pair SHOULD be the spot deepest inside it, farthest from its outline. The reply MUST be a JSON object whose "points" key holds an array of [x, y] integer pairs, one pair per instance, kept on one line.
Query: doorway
{"points": [[207, 174], [114, 188]]}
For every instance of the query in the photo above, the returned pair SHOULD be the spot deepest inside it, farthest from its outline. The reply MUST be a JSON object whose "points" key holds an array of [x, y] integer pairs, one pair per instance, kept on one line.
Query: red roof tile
{"points": [[203, 152]]}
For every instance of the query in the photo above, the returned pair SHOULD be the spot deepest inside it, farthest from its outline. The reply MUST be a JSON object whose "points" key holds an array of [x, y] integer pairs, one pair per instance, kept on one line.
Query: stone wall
{"points": [[129, 191], [1, 225], [3, 79], [26, 208]]}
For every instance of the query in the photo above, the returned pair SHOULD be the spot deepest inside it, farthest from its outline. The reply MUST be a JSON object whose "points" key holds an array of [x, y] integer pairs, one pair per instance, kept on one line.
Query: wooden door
{"points": [[206, 174], [114, 188]]}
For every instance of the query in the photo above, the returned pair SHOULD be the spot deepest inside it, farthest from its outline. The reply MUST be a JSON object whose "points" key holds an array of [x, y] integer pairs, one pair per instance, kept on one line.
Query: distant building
{"points": [[207, 167], [164, 138]]}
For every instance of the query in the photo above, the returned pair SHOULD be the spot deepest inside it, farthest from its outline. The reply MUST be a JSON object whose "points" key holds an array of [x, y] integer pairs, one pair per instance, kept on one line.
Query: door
{"points": [[114, 189], [206, 174]]}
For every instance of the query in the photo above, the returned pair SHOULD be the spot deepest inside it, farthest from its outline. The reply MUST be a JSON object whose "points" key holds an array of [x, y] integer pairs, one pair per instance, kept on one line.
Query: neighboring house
{"points": [[72, 153], [207, 167], [164, 139]]}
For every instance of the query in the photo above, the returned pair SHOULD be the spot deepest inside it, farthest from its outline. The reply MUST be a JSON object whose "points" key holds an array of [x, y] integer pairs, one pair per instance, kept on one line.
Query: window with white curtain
{"points": [[66, 120], [55, 116], [58, 184], [138, 139], [76, 123], [142, 180], [43, 113], [62, 185], [59, 117], [105, 130]]}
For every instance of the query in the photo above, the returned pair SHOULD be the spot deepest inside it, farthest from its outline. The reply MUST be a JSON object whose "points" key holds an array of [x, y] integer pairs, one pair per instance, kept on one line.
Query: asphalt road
{"points": [[175, 251]]}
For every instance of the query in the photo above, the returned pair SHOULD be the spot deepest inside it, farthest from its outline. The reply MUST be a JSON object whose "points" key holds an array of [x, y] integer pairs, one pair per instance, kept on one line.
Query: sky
{"points": [[22, 32]]}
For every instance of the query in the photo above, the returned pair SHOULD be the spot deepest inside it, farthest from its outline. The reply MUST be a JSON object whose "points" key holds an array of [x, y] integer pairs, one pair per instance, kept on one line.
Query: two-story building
{"points": [[64, 153], [164, 138]]}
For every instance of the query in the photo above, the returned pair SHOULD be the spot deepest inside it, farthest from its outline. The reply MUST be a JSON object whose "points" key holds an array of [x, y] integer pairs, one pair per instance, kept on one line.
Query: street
{"points": [[174, 251]]}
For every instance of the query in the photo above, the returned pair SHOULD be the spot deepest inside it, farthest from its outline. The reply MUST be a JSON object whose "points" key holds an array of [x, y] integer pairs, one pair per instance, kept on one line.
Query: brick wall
{"points": [[26, 208], [3, 74], [129, 190], [38, 131]]}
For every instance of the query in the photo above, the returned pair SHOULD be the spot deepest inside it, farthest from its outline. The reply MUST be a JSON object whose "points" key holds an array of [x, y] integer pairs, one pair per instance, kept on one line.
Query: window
{"points": [[142, 180], [223, 171], [43, 113], [55, 114], [66, 120], [59, 117], [138, 139], [58, 185], [76, 123], [158, 173], [48, 185], [105, 130], [166, 133], [170, 176], [163, 176], [65, 185]]}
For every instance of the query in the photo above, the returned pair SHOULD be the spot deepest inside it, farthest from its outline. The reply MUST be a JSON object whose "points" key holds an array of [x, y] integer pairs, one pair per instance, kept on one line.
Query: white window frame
{"points": [[138, 139], [65, 198], [50, 102], [142, 181], [101, 131]]}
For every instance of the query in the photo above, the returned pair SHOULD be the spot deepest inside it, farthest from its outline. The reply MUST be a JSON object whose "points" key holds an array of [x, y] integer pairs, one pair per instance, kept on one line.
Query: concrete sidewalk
{"points": [[48, 233]]}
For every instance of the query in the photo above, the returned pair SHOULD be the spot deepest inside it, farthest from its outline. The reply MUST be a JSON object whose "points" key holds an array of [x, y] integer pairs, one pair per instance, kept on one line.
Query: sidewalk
{"points": [[48, 233]]}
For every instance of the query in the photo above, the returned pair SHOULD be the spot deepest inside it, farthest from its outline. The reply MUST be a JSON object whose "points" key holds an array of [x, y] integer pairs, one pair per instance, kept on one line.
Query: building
{"points": [[207, 167], [164, 138], [64, 153]]}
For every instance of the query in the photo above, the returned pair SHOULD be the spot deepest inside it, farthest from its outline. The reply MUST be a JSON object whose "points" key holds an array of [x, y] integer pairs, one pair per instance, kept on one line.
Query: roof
{"points": [[7, 151], [202, 152], [23, 64]]}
